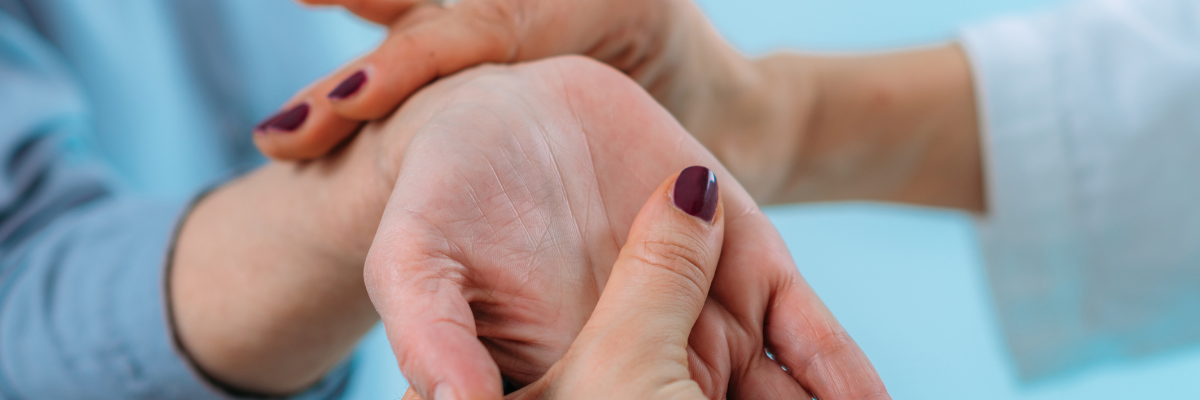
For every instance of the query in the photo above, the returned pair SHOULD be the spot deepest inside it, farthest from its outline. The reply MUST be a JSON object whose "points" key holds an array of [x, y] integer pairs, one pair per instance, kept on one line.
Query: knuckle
{"points": [[500, 20], [830, 344], [836, 341], [680, 259]]}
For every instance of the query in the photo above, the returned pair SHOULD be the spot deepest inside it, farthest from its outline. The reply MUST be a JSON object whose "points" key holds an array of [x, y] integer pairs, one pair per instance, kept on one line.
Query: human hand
{"points": [[896, 127], [635, 345], [516, 194], [666, 46]]}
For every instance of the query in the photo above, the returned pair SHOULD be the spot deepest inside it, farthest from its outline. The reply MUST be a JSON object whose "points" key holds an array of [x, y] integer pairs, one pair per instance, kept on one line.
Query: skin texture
{"points": [[628, 350], [266, 281], [896, 127], [516, 195]]}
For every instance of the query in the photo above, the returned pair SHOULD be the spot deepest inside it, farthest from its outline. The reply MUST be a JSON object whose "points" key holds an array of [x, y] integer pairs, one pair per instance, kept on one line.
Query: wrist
{"points": [[266, 283], [735, 106], [695, 72]]}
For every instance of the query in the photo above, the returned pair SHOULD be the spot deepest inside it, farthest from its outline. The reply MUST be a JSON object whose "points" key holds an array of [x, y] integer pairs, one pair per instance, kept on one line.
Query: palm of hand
{"points": [[516, 193]]}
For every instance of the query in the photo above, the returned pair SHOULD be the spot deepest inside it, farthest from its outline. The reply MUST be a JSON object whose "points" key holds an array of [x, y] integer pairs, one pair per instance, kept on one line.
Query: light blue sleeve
{"points": [[1091, 117], [83, 311]]}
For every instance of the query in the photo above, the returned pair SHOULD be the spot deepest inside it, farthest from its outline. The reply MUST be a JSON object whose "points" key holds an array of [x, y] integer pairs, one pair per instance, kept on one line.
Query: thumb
{"points": [[661, 278]]}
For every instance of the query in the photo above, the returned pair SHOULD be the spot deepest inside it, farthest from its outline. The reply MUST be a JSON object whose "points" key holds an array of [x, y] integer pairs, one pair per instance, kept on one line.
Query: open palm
{"points": [[515, 195]]}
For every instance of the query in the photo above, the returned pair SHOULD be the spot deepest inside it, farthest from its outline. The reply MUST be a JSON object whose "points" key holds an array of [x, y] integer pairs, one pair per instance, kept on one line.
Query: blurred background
{"points": [[907, 283]]}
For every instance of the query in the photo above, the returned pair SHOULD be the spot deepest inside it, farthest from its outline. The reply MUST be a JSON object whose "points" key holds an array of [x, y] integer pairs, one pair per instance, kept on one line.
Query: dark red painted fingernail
{"points": [[285, 121], [696, 192], [349, 86]]}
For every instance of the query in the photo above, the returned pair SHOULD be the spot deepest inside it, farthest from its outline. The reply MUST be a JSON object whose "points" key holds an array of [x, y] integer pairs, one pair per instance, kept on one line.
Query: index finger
{"points": [[415, 54], [427, 43], [799, 330]]}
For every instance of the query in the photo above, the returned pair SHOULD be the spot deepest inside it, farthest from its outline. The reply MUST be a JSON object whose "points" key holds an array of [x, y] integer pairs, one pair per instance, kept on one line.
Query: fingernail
{"points": [[349, 86], [696, 192], [444, 392], [285, 121]]}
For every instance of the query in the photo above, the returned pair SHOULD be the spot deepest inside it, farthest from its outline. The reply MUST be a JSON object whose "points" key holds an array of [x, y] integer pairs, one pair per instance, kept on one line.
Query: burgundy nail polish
{"points": [[696, 192], [349, 86], [285, 121]]}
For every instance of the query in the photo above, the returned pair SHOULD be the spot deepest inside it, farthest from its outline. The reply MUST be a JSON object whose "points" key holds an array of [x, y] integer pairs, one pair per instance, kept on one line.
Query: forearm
{"points": [[899, 127], [266, 287], [721, 97]]}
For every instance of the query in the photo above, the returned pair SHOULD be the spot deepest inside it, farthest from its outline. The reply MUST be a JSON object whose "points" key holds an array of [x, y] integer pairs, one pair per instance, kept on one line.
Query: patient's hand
{"points": [[515, 195], [628, 350]]}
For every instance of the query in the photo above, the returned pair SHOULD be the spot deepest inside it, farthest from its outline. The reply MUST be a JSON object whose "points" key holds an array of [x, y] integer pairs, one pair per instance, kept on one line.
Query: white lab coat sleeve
{"points": [[1091, 124]]}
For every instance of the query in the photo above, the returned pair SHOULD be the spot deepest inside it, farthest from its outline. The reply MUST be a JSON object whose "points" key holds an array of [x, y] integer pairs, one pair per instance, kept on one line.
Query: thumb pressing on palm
{"points": [[635, 345]]}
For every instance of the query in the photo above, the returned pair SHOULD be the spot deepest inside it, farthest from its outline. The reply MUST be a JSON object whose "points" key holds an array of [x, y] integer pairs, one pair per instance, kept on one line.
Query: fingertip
{"points": [[690, 219], [349, 86], [445, 391], [368, 93], [315, 138], [380, 81], [438, 44], [431, 329], [305, 129], [447, 364], [670, 257], [817, 350], [696, 192]]}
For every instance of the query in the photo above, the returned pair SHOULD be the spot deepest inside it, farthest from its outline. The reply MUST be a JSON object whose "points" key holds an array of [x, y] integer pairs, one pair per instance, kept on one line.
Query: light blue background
{"points": [[907, 283]]}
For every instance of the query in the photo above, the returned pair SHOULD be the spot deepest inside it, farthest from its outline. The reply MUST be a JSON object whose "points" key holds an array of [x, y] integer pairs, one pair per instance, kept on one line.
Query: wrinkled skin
{"points": [[516, 193]]}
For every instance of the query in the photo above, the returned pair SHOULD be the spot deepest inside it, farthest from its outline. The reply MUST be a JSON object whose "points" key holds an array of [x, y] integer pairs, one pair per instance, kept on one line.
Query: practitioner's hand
{"points": [[895, 127], [635, 346], [665, 45], [517, 191]]}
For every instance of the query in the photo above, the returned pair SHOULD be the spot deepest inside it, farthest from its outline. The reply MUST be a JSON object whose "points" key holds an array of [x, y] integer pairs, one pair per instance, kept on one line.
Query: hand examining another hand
{"points": [[516, 195], [635, 345], [666, 46], [519, 260], [896, 127], [512, 192]]}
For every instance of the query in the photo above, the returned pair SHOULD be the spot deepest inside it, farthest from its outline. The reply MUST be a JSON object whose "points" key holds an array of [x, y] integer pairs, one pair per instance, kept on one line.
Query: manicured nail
{"points": [[285, 121], [444, 392], [349, 86], [696, 192]]}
